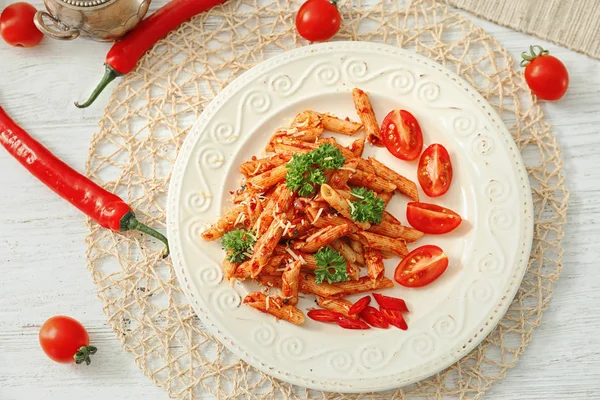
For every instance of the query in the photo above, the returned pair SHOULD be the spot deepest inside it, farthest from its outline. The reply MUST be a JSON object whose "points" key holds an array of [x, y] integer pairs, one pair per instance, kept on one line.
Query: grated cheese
{"points": [[257, 168], [240, 218], [291, 253], [302, 260], [351, 205], [356, 195], [267, 303], [318, 215], [328, 159], [348, 169]]}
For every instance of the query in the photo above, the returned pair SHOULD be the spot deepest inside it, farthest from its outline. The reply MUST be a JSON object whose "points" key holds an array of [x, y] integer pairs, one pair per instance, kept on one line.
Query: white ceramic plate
{"points": [[488, 253]]}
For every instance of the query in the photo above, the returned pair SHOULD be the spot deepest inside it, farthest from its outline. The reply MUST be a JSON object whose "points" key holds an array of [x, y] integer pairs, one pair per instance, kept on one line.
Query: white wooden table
{"points": [[42, 249]]}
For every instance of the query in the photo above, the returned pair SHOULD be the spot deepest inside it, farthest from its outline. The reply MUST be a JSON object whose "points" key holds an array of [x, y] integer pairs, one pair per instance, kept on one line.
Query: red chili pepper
{"points": [[125, 54], [107, 209], [391, 303], [359, 305]]}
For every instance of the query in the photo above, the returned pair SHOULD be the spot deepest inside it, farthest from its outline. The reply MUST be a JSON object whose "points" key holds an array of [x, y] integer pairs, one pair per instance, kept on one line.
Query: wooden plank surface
{"points": [[42, 249]]}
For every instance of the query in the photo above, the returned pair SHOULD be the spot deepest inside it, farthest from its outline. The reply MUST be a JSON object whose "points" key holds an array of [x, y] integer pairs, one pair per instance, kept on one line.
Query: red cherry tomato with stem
{"points": [[318, 20], [435, 170], [402, 135], [546, 75], [348, 323], [391, 303], [373, 317], [66, 341], [324, 315], [421, 266], [394, 317], [17, 27], [359, 305], [431, 218]]}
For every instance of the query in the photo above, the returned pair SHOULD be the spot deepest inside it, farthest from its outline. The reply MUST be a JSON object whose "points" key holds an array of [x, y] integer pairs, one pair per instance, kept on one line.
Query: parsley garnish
{"points": [[238, 244], [331, 266], [367, 207], [305, 171]]}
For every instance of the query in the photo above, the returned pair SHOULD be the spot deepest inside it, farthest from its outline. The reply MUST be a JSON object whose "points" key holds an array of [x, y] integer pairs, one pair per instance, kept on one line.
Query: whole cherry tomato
{"points": [[546, 75], [318, 20], [431, 218], [435, 170], [402, 135], [66, 341], [17, 27], [421, 266]]}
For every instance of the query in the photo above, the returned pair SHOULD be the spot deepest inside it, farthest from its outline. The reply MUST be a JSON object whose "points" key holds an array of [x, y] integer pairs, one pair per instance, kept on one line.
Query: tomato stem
{"points": [[334, 2], [534, 52], [84, 353]]}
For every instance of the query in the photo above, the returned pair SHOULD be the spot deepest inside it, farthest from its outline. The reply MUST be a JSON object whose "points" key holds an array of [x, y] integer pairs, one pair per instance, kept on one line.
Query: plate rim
{"points": [[174, 190]]}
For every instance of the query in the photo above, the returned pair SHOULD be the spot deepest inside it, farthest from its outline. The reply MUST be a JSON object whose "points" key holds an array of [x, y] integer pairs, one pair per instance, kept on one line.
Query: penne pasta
{"points": [[371, 181], [308, 119], [338, 125], [228, 269], [225, 224], [338, 305], [404, 185], [340, 177], [364, 284], [353, 272], [357, 247], [307, 285], [321, 220], [386, 197], [290, 283], [375, 267], [275, 307], [364, 109], [257, 166], [383, 243], [362, 164], [340, 204], [345, 250], [268, 178], [305, 135], [391, 227], [322, 237], [265, 245], [275, 265], [357, 147]]}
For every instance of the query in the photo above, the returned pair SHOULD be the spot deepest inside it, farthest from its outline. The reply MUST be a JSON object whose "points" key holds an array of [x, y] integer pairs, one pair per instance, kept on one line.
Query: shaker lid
{"points": [[86, 3]]}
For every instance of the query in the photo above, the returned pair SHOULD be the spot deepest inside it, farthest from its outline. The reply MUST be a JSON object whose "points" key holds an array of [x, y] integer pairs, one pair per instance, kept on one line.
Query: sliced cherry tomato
{"points": [[66, 341], [348, 323], [431, 218], [318, 20], [435, 170], [374, 318], [359, 305], [546, 75], [324, 315], [394, 317], [421, 266], [391, 303], [402, 135], [17, 27]]}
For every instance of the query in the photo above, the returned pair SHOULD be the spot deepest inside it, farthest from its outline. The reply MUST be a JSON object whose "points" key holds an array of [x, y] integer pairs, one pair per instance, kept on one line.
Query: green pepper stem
{"points": [[109, 75], [129, 222]]}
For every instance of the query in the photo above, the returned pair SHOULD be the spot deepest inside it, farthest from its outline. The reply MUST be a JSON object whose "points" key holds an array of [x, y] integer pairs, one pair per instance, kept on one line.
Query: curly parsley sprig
{"points": [[238, 244], [305, 171], [367, 207], [331, 266]]}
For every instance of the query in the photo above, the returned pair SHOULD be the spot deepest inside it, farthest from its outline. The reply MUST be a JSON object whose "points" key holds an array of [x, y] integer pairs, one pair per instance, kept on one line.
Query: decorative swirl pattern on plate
{"points": [[500, 219], [446, 326], [464, 125], [211, 158], [402, 81], [341, 361], [357, 71], [194, 230], [372, 357], [483, 144], [223, 133], [264, 335], [198, 202], [258, 102], [291, 347], [490, 264], [255, 102], [325, 73], [480, 291], [497, 191], [227, 300], [423, 345], [428, 92], [210, 275]]}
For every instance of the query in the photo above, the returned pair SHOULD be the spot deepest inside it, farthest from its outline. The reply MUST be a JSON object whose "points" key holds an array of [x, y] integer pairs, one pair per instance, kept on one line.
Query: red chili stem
{"points": [[125, 54], [106, 208]]}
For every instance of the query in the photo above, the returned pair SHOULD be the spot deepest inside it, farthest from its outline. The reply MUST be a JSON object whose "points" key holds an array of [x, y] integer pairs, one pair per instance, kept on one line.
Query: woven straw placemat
{"points": [[571, 23], [152, 110]]}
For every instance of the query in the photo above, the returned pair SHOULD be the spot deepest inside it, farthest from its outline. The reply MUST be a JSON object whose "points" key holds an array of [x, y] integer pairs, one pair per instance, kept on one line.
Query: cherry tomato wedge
{"points": [[421, 266], [359, 305], [318, 20], [373, 317], [348, 323], [431, 218], [325, 315], [391, 303], [66, 341], [435, 170], [402, 135], [17, 27], [394, 317]]}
